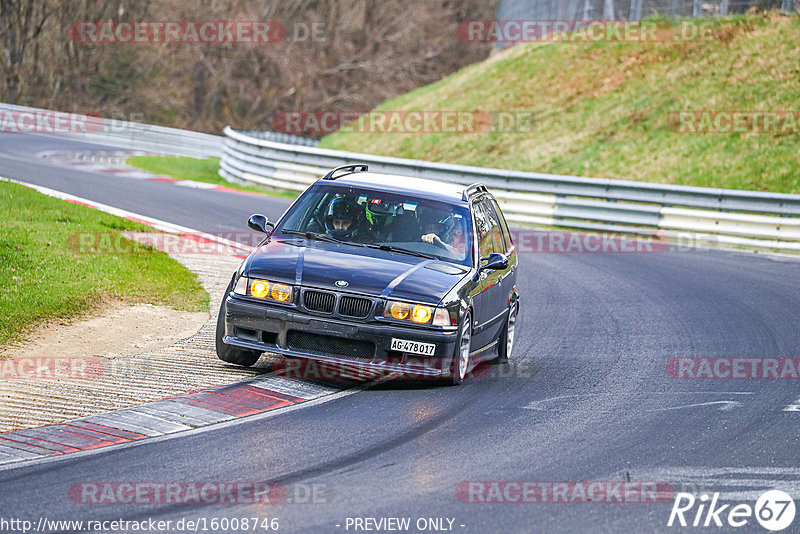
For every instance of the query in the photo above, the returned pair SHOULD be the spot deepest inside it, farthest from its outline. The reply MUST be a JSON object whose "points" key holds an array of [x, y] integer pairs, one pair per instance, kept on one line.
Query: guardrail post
{"points": [[636, 10], [608, 10], [588, 9]]}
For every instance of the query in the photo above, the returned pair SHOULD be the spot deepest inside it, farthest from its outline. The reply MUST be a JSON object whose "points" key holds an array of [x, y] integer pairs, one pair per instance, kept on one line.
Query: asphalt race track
{"points": [[586, 398]]}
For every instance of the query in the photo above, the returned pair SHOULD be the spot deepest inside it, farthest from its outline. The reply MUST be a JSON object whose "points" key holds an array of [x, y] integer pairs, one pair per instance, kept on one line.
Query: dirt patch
{"points": [[116, 329]]}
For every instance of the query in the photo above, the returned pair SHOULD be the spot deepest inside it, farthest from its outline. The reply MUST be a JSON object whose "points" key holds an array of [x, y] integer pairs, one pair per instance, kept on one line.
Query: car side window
{"points": [[484, 230], [498, 241], [503, 225]]}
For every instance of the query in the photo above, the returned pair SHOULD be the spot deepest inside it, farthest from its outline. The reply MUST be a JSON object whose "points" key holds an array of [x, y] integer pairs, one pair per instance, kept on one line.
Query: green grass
{"points": [[43, 277], [603, 109], [199, 170]]}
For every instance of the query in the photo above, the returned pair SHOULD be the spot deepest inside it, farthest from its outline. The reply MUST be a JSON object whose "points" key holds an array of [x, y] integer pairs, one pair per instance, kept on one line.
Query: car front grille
{"points": [[319, 301], [331, 346], [354, 307]]}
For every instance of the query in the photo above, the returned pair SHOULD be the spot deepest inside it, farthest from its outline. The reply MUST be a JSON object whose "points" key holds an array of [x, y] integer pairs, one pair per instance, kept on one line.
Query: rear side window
{"points": [[484, 230], [498, 241], [503, 226]]}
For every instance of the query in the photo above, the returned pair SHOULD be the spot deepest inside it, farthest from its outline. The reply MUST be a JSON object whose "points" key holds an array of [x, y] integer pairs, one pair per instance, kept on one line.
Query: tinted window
{"points": [[498, 242], [503, 226], [484, 228]]}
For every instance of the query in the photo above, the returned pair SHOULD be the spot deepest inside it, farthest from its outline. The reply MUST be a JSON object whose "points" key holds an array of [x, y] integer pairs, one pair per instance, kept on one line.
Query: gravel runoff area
{"points": [[131, 378]]}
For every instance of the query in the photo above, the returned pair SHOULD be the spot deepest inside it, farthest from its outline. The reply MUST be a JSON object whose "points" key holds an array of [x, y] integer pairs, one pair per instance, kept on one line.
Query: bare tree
{"points": [[21, 23], [340, 55]]}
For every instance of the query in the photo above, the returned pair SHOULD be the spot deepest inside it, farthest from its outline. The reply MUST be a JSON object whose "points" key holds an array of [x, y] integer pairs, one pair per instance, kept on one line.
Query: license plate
{"points": [[414, 347]]}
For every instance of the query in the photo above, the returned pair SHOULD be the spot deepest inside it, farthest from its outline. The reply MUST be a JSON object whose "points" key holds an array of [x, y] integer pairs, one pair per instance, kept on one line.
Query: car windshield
{"points": [[374, 218]]}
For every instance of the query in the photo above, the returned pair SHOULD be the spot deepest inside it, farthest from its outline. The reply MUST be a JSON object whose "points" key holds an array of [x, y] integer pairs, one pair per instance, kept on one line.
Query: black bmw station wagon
{"points": [[390, 274]]}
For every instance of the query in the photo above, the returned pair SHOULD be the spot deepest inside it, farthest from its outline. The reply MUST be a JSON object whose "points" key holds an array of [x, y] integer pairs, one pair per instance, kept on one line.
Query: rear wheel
{"points": [[225, 352], [458, 369], [507, 337]]}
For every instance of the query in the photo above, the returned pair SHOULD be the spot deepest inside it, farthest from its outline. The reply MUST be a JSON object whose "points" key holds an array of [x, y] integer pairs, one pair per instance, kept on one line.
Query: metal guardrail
{"points": [[734, 217], [118, 133], [280, 137]]}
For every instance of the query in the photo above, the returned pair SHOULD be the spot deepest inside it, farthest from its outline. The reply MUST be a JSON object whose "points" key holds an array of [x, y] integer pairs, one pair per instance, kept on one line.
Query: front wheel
{"points": [[225, 352], [458, 369], [506, 342]]}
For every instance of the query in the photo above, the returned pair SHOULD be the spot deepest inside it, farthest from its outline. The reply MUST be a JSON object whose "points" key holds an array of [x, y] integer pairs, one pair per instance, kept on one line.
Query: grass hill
{"points": [[612, 109]]}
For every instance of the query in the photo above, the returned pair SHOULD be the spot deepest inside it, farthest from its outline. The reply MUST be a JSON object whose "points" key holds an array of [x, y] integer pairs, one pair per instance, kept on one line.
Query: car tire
{"points": [[461, 356], [225, 352], [508, 336]]}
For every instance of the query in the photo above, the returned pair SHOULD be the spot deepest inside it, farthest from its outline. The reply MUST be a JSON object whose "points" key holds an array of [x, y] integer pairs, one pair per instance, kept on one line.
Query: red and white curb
{"points": [[112, 162], [168, 416]]}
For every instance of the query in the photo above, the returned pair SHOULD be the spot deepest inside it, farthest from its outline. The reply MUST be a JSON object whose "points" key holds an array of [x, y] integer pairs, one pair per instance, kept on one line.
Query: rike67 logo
{"points": [[774, 510]]}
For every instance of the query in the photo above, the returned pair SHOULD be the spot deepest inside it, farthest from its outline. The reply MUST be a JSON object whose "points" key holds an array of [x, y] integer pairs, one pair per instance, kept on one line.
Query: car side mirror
{"points": [[495, 262], [260, 223]]}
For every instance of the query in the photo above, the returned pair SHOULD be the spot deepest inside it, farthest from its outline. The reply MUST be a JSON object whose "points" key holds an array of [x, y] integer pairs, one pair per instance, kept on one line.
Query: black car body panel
{"points": [[367, 271], [341, 290], [334, 340]]}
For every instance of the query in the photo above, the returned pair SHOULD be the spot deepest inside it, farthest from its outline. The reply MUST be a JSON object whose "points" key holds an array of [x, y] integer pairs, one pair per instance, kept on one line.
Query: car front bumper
{"points": [[344, 345]]}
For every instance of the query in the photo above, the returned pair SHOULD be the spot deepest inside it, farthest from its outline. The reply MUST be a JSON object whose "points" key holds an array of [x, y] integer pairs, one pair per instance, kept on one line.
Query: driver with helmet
{"points": [[446, 232]]}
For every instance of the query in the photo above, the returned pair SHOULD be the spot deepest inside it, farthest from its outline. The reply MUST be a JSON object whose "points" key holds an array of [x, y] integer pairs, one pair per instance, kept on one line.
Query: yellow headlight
{"points": [[421, 314], [400, 310], [259, 289], [281, 292]]}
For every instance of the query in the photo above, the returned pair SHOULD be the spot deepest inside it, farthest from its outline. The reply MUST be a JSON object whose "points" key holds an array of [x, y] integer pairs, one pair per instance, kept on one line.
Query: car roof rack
{"points": [[355, 167], [474, 188]]}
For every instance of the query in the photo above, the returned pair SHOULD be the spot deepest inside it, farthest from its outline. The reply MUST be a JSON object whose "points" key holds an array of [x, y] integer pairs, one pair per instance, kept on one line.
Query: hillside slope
{"points": [[609, 109]]}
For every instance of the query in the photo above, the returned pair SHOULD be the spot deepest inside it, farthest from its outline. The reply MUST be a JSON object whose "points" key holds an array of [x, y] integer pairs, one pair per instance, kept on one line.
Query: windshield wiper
{"points": [[312, 235], [392, 248]]}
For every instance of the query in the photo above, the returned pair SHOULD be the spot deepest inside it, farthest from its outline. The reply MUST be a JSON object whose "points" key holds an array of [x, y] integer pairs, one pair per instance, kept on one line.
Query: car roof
{"points": [[397, 183]]}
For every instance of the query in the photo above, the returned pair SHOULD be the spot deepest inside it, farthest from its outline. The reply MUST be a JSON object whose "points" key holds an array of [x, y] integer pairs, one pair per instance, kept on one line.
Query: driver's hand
{"points": [[429, 238]]}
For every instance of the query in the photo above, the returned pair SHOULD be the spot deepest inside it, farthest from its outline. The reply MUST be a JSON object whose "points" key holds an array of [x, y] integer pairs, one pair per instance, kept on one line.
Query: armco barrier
{"points": [[732, 217], [126, 134]]}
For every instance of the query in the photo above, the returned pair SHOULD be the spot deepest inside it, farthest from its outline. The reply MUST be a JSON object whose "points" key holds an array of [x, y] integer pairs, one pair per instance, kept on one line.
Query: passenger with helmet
{"points": [[387, 219]]}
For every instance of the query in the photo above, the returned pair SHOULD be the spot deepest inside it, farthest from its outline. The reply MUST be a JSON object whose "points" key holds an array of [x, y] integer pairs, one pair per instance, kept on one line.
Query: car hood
{"points": [[367, 271]]}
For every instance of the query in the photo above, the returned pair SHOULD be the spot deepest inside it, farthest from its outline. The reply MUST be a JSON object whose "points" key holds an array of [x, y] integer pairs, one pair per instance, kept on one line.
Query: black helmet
{"points": [[342, 209]]}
